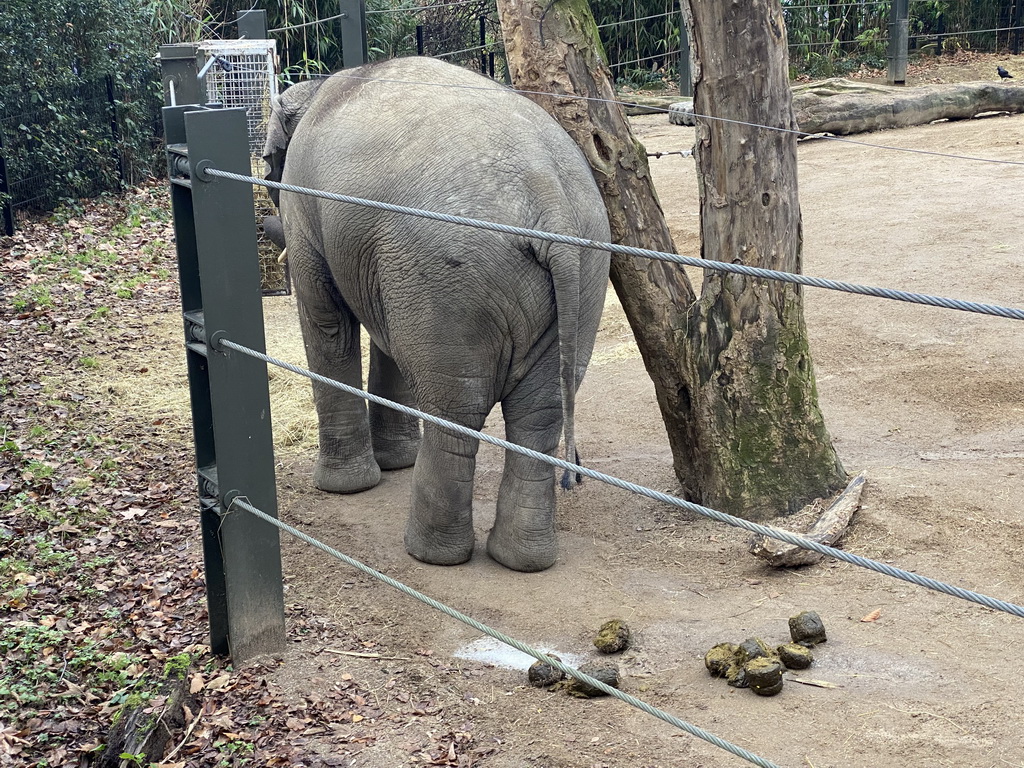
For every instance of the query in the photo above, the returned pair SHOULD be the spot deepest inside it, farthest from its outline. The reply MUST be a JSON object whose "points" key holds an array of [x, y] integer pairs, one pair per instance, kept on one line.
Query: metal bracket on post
{"points": [[899, 37], [179, 65], [353, 33], [215, 230]]}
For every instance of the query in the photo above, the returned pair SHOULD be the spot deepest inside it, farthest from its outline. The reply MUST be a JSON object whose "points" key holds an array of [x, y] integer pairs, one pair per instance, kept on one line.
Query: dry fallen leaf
{"points": [[197, 683], [873, 616], [218, 682]]}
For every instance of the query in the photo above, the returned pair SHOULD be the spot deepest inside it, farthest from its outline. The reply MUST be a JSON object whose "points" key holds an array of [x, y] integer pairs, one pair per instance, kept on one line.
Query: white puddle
{"points": [[490, 651]]}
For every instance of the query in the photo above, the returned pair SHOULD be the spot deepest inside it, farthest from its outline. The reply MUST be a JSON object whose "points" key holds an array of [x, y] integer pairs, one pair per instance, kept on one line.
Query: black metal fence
{"points": [[77, 141]]}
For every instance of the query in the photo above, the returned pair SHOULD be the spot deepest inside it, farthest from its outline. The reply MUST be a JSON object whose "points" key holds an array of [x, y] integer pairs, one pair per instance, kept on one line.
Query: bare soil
{"points": [[929, 402]]}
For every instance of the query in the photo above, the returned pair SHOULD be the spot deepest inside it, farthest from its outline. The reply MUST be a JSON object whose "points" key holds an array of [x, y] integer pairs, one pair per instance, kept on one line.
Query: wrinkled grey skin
{"points": [[459, 319]]}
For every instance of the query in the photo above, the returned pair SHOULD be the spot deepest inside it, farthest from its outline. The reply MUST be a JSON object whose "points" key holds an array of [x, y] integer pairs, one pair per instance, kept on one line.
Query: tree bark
{"points": [[732, 370], [765, 444]]}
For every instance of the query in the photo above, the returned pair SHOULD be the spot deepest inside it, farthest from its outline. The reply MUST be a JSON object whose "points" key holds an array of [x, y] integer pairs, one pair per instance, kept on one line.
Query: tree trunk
{"points": [[732, 370], [766, 445]]}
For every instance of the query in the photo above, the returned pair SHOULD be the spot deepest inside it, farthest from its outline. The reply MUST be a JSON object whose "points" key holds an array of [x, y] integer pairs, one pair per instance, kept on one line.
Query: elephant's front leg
{"points": [[523, 537], [396, 437], [331, 336], [440, 527]]}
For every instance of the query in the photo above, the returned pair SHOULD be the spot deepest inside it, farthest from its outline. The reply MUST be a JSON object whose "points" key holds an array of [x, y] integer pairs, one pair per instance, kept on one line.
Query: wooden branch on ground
{"points": [[144, 724], [828, 529]]}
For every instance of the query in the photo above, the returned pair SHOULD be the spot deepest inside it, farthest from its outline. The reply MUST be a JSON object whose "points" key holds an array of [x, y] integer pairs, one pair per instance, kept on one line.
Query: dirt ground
{"points": [[929, 402]]}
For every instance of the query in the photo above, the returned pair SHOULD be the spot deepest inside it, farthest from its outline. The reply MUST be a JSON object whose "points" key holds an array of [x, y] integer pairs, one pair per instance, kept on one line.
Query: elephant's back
{"points": [[402, 129]]}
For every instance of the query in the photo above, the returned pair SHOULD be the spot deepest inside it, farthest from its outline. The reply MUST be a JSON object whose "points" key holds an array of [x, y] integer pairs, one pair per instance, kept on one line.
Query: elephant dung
{"points": [[753, 648], [720, 658], [795, 656], [613, 636], [807, 629], [605, 673], [541, 675], [764, 675]]}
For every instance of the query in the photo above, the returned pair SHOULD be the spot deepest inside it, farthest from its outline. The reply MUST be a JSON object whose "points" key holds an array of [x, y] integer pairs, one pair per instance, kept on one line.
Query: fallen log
{"points": [[841, 107], [828, 529]]}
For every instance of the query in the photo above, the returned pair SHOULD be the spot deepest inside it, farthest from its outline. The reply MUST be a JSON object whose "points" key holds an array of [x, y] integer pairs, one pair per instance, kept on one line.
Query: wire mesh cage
{"points": [[242, 73]]}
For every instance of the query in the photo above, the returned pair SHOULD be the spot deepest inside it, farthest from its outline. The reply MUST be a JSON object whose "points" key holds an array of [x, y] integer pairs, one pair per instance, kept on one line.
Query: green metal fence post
{"points": [[220, 292], [252, 24], [180, 71], [353, 32], [685, 72], [899, 31], [7, 205]]}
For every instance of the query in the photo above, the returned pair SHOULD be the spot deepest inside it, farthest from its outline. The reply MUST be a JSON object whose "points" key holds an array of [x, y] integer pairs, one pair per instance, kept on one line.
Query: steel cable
{"points": [[1011, 313], [736, 522], [575, 97], [242, 502]]}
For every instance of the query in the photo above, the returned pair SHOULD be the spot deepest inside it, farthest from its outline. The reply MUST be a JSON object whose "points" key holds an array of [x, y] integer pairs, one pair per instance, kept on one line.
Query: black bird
{"points": [[1004, 74]]}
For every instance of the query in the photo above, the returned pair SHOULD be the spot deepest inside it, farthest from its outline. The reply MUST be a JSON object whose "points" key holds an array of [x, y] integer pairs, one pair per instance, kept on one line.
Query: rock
{"points": [[681, 113], [606, 673], [753, 648], [795, 656], [720, 658], [613, 636], [764, 675], [807, 629], [542, 675]]}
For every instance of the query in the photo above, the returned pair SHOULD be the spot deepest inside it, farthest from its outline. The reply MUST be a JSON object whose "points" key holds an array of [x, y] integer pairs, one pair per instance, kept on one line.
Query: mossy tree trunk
{"points": [[732, 370], [765, 445]]}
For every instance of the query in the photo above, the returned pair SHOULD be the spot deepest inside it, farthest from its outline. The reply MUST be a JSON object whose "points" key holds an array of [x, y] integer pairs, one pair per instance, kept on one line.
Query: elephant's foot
{"points": [[345, 476], [395, 454], [523, 545], [448, 545]]}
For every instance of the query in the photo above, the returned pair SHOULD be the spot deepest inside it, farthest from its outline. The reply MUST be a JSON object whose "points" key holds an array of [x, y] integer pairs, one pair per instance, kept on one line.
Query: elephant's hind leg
{"points": [[523, 537], [396, 437], [440, 527], [331, 336]]}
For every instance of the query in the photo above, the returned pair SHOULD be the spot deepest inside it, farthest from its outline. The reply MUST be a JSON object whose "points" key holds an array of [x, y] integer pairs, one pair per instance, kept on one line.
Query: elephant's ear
{"points": [[286, 112]]}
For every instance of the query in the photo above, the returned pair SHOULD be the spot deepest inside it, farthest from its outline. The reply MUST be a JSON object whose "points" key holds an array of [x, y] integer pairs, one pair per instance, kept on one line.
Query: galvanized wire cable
{"points": [[312, 23], [1012, 313], [779, 129], [713, 514], [693, 730]]}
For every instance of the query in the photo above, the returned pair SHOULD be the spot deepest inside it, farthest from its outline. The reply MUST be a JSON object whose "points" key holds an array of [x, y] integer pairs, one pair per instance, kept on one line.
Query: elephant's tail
{"points": [[563, 261]]}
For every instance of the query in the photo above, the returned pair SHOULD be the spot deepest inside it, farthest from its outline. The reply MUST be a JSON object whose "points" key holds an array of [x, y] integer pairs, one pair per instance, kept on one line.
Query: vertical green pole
{"points": [[899, 31], [685, 72], [353, 33], [252, 24], [220, 289], [7, 205]]}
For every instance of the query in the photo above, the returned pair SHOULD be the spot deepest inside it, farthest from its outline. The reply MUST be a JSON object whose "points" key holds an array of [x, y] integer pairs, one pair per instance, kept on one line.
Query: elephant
{"points": [[459, 319]]}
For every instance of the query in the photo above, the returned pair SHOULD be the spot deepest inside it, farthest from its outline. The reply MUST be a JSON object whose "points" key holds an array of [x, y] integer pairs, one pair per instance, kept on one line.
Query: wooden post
{"points": [[215, 230]]}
